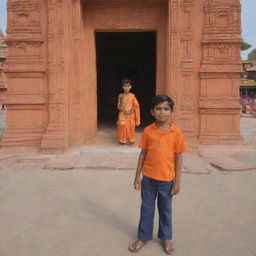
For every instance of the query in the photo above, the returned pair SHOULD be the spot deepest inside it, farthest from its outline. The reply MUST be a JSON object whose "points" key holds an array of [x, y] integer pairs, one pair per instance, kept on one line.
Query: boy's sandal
{"points": [[168, 248], [136, 246]]}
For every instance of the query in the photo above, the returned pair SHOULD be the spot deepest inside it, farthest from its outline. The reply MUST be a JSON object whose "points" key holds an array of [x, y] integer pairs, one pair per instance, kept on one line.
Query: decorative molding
{"points": [[25, 73], [206, 103], [24, 98], [124, 3]]}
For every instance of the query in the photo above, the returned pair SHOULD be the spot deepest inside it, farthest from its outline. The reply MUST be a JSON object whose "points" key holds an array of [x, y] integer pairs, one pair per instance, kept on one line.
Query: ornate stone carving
{"points": [[3, 53], [173, 53], [24, 18], [187, 105], [220, 71], [24, 37], [25, 71]]}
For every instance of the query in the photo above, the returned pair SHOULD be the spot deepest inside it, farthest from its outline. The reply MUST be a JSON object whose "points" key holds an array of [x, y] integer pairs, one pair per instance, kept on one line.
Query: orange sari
{"points": [[128, 118]]}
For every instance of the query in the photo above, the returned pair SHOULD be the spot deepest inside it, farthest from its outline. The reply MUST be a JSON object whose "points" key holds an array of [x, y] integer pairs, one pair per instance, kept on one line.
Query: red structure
{"points": [[3, 53], [66, 58]]}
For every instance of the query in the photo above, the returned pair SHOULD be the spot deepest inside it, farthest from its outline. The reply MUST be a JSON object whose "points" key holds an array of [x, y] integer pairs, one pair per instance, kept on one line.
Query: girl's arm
{"points": [[119, 102], [137, 111], [178, 165], [142, 157]]}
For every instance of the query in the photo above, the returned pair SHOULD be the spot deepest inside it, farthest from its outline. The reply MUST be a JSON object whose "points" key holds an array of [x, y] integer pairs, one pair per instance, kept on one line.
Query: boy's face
{"points": [[126, 87], [162, 112]]}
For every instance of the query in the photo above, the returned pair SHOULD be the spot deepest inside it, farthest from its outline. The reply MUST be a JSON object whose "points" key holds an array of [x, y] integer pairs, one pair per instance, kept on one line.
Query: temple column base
{"points": [[55, 140]]}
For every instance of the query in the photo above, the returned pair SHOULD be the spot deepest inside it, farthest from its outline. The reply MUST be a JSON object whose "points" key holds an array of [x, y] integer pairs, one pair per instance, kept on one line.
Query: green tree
{"points": [[245, 46]]}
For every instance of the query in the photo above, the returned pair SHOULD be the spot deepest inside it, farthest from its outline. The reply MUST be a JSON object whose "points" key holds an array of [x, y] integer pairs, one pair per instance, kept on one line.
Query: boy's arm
{"points": [[137, 181], [178, 165]]}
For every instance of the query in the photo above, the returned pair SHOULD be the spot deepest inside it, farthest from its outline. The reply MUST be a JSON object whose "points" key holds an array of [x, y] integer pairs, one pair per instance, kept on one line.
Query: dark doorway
{"points": [[125, 55]]}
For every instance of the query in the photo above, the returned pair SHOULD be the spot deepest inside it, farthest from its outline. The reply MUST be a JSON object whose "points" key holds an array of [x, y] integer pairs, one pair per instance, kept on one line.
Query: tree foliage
{"points": [[245, 46]]}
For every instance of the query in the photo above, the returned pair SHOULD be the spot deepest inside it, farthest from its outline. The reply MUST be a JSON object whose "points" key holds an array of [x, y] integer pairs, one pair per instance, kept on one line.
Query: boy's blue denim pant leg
{"points": [[150, 189]]}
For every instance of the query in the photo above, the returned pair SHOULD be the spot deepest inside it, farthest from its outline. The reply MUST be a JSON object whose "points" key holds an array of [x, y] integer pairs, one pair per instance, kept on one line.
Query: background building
{"points": [[3, 53], [252, 55]]}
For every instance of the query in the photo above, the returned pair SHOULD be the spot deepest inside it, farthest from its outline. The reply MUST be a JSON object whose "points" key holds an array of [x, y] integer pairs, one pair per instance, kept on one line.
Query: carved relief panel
{"points": [[187, 101], [25, 36], [24, 16]]}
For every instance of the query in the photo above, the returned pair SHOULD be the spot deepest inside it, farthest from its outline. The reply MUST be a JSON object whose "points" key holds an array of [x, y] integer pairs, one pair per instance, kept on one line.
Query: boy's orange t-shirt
{"points": [[161, 147]]}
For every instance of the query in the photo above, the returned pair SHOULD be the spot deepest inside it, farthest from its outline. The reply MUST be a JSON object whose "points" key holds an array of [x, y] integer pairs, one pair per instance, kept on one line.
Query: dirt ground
{"points": [[83, 211]]}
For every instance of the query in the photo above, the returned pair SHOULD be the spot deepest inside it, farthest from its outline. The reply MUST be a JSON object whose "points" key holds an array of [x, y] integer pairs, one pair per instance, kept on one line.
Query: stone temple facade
{"points": [[3, 53], [66, 59]]}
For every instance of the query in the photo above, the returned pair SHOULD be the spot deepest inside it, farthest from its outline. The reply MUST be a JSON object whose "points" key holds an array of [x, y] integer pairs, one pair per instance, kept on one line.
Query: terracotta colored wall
{"points": [[51, 67]]}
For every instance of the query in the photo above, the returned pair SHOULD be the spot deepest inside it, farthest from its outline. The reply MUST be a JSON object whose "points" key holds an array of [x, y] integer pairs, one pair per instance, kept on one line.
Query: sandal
{"points": [[168, 247], [137, 245]]}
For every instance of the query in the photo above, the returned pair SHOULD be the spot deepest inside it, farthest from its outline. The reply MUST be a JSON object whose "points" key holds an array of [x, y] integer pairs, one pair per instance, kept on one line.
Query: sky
{"points": [[248, 22]]}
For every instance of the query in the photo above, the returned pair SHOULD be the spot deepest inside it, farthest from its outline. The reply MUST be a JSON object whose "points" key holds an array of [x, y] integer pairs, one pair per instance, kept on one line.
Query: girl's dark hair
{"points": [[161, 98], [126, 81]]}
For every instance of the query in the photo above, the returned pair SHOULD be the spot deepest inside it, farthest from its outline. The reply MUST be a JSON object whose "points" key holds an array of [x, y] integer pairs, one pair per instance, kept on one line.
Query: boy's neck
{"points": [[163, 126]]}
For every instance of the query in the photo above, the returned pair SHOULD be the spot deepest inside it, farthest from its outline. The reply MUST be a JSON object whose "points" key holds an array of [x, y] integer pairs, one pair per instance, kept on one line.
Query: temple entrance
{"points": [[116, 46], [124, 55]]}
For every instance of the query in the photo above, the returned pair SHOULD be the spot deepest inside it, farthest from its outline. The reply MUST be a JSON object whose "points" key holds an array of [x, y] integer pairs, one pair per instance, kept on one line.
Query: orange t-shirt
{"points": [[161, 147]]}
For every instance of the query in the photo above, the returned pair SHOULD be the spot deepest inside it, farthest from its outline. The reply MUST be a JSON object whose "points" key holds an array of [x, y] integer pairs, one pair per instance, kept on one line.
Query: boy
{"points": [[160, 161]]}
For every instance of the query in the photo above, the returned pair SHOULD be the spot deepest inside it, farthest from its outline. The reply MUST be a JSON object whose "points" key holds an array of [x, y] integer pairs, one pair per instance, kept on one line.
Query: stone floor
{"points": [[248, 129], [115, 156]]}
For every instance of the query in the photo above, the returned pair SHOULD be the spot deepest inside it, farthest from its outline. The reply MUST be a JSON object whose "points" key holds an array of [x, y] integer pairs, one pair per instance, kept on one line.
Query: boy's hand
{"points": [[175, 188], [137, 183]]}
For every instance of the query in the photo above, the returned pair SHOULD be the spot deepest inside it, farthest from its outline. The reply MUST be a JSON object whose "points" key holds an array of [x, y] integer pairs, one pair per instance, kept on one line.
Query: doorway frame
{"points": [[155, 22]]}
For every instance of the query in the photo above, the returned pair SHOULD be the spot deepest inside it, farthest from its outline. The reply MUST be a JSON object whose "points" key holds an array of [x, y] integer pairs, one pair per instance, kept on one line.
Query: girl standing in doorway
{"points": [[129, 114]]}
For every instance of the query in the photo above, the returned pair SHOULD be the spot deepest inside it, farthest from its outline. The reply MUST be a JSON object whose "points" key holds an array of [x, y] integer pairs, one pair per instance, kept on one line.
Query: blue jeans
{"points": [[150, 189]]}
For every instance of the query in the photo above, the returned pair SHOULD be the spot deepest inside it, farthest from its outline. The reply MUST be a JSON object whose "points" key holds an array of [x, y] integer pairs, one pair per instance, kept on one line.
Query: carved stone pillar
{"points": [[77, 82], [25, 71], [56, 137], [180, 63], [220, 72], [187, 106], [173, 54]]}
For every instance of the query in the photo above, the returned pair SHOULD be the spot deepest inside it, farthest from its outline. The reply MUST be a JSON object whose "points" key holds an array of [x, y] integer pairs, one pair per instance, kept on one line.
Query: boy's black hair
{"points": [[162, 98], [126, 81]]}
